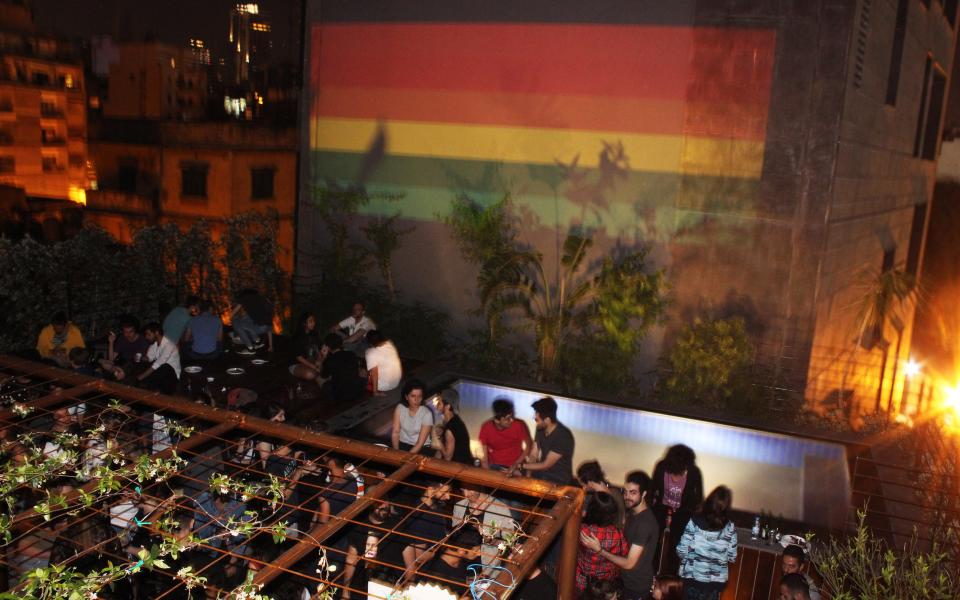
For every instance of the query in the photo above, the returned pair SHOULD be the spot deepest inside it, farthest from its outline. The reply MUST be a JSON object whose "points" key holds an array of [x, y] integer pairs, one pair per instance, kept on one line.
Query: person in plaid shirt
{"points": [[599, 521]]}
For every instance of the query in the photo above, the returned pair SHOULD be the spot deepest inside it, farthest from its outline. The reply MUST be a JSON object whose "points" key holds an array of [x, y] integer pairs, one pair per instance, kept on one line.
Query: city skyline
{"points": [[127, 21]]}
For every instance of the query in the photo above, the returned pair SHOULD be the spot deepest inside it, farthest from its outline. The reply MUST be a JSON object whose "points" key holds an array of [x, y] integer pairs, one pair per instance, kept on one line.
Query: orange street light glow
{"points": [[911, 368]]}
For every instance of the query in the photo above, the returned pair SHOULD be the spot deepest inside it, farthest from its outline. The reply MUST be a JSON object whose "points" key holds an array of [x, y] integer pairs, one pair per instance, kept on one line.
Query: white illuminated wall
{"points": [[793, 477]]}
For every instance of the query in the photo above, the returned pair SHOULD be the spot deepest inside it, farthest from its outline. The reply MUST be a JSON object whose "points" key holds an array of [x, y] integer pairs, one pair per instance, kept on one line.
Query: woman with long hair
{"points": [[677, 490], [708, 545], [306, 343], [599, 521]]}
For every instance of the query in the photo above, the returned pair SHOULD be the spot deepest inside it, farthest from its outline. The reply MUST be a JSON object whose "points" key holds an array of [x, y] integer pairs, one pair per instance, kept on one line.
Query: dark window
{"points": [[50, 164], [127, 171], [41, 78], [916, 238], [931, 133], [261, 183], [6, 136], [923, 106], [896, 54], [7, 164], [193, 180], [76, 161], [6, 105]]}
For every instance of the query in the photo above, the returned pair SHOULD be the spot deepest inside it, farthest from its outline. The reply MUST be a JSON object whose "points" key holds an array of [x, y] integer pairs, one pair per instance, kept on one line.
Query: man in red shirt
{"points": [[505, 439]]}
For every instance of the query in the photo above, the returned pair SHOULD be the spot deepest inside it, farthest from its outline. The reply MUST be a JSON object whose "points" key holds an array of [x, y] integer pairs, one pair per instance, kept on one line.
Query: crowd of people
{"points": [[656, 536], [351, 360], [631, 536]]}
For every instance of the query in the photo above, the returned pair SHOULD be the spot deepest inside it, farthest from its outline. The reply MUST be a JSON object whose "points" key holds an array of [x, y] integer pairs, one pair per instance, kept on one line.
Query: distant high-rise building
{"points": [[150, 80], [200, 52], [250, 42]]}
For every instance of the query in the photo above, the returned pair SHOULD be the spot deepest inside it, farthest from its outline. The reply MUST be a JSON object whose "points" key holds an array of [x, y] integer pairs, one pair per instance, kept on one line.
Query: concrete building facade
{"points": [[775, 157], [43, 117], [151, 172]]}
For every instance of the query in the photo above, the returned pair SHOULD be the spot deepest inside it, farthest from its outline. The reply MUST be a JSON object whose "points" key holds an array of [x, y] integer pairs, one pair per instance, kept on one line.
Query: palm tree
{"points": [[889, 296]]}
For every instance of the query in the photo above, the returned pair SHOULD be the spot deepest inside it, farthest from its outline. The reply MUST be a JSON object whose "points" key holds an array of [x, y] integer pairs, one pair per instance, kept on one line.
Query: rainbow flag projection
{"points": [[581, 122]]}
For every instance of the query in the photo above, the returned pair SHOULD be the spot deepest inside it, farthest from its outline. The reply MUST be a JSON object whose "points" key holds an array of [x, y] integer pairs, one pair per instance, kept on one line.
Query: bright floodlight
{"points": [[911, 368], [951, 398]]}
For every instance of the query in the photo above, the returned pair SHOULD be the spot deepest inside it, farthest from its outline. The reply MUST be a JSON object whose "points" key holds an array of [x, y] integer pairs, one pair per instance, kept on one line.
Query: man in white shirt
{"points": [[383, 363], [355, 327], [164, 358]]}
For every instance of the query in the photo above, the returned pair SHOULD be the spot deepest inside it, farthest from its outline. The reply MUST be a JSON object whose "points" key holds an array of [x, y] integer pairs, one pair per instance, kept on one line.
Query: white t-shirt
{"points": [[164, 353], [387, 361], [410, 426], [352, 325]]}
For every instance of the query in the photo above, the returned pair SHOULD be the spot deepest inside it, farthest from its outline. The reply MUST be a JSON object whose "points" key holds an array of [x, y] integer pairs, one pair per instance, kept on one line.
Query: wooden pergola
{"points": [[35, 394]]}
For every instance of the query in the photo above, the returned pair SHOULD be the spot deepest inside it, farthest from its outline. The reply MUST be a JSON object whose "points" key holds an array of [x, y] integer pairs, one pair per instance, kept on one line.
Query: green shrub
{"points": [[865, 567], [708, 365]]}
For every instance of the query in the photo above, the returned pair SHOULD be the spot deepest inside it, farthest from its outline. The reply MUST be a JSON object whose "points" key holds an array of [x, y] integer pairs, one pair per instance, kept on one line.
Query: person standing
{"points": [[642, 533], [505, 440], [707, 547], [677, 492], [599, 524], [451, 439], [551, 457]]}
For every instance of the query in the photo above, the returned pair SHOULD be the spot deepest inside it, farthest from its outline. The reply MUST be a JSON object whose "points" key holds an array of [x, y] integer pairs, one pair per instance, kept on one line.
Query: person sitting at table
{"points": [[251, 317], [306, 344], [451, 438], [461, 550], [383, 363], [412, 420], [176, 321], [505, 439], [341, 368], [355, 327], [794, 561], [80, 362], [126, 349], [163, 374], [56, 339], [203, 338]]}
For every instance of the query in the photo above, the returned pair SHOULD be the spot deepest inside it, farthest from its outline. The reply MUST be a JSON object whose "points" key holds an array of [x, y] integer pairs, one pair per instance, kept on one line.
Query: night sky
{"points": [[170, 21]]}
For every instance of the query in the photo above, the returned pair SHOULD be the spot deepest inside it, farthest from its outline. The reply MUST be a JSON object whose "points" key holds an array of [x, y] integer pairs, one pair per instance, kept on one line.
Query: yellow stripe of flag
{"points": [[661, 153]]}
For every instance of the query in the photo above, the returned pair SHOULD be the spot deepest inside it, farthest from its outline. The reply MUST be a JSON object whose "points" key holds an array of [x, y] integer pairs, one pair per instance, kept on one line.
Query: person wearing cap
{"points": [[450, 438]]}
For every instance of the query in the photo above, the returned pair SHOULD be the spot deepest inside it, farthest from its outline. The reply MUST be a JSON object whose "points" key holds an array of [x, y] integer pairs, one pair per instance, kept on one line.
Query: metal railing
{"points": [[36, 395]]}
